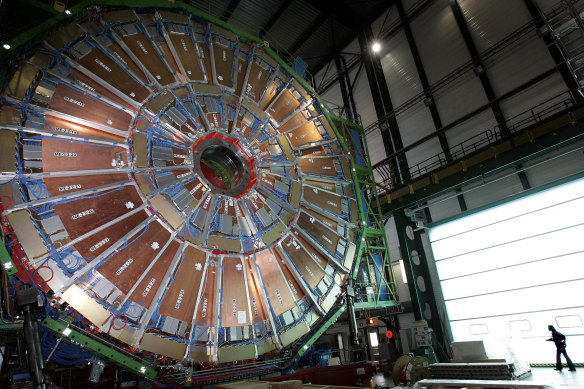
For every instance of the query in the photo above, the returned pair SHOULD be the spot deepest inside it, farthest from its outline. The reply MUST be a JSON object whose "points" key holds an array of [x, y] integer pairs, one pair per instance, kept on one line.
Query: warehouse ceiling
{"points": [[313, 31]]}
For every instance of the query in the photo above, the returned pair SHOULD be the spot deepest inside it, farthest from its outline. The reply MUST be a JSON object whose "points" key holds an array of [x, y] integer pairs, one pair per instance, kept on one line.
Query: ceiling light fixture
{"points": [[376, 47]]}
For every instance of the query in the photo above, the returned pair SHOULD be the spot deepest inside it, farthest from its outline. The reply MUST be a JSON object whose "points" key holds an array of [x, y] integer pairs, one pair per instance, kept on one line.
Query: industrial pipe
{"points": [[26, 298], [351, 313]]}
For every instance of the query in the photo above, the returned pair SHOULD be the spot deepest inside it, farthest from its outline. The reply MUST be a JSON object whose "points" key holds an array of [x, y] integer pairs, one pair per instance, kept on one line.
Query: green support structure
{"points": [[372, 270], [419, 280], [374, 274], [10, 326], [321, 330], [6, 261], [62, 329]]}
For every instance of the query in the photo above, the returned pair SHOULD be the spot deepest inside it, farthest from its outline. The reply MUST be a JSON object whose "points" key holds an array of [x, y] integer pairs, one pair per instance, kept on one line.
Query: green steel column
{"points": [[101, 350], [373, 241], [6, 261], [418, 275]]}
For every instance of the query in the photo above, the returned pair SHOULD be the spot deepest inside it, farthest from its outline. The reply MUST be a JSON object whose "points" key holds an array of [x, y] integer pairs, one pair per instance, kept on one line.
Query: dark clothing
{"points": [[559, 351], [560, 342], [558, 338]]}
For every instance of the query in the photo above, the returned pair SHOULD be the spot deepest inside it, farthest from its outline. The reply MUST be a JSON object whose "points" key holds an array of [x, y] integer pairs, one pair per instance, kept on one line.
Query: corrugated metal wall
{"points": [[443, 53]]}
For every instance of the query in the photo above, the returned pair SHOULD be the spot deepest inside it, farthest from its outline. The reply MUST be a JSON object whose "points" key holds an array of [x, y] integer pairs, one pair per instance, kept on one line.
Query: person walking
{"points": [[560, 341]]}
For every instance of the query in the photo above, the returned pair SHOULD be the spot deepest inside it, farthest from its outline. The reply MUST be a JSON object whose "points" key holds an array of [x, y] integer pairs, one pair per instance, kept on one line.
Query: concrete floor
{"points": [[564, 379], [561, 380]]}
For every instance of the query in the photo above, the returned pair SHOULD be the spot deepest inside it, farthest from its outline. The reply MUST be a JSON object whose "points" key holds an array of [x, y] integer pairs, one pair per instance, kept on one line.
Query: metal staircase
{"points": [[565, 23]]}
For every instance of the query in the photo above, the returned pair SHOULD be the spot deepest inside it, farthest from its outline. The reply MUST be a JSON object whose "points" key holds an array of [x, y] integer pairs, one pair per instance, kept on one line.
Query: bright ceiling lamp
{"points": [[376, 47]]}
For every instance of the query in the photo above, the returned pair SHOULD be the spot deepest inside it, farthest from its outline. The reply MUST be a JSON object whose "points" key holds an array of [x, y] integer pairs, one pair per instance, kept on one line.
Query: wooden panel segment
{"points": [[311, 272], [326, 200], [122, 56], [258, 77], [276, 287], [146, 290], [206, 312], [62, 126], [143, 50], [78, 104], [97, 243], [84, 215], [320, 233], [306, 133], [235, 306], [320, 166], [108, 70], [223, 57], [63, 155], [297, 292], [283, 106], [181, 297], [126, 266], [259, 312], [187, 55]]}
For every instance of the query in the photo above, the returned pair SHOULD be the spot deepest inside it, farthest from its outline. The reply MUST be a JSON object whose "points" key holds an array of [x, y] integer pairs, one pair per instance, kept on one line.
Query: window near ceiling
{"points": [[519, 325], [478, 329], [569, 321]]}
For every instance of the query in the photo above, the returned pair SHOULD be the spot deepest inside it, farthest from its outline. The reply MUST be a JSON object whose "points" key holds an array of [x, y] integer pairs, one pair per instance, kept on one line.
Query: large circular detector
{"points": [[176, 186]]}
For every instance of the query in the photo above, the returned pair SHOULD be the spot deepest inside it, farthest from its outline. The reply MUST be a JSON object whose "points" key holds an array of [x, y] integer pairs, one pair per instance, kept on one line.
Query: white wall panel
{"points": [[529, 332], [402, 288], [570, 191], [492, 192], [392, 240], [485, 22], [404, 83], [375, 145], [517, 65], [471, 128], [460, 97], [400, 71], [444, 209], [528, 250], [540, 98], [424, 154], [558, 164], [362, 97], [333, 95], [439, 41], [550, 270], [524, 300]]}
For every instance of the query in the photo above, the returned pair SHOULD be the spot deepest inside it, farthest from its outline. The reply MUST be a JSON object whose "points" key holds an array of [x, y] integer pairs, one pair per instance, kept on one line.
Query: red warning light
{"points": [[389, 334]]}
